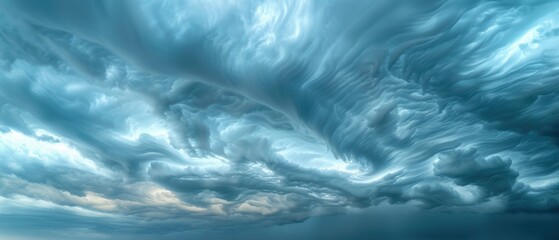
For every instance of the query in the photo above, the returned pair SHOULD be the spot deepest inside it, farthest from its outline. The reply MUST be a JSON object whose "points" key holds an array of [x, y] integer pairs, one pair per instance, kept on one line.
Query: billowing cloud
{"points": [[160, 117]]}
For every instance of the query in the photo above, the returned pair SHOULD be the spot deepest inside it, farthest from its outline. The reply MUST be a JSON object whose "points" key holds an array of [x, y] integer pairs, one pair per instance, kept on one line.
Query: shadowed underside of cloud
{"points": [[159, 117]]}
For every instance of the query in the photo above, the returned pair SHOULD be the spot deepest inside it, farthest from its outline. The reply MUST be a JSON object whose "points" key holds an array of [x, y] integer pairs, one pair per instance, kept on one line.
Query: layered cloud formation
{"points": [[166, 116]]}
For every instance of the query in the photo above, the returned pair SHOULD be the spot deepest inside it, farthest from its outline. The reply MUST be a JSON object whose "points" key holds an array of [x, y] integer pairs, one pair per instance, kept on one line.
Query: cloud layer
{"points": [[167, 116]]}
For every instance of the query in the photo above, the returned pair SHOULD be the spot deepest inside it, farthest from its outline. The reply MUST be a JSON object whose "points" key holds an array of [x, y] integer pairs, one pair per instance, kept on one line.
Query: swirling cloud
{"points": [[159, 117]]}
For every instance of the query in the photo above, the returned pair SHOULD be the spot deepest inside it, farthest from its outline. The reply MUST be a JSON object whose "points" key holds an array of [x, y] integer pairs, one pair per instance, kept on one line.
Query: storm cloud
{"points": [[160, 118]]}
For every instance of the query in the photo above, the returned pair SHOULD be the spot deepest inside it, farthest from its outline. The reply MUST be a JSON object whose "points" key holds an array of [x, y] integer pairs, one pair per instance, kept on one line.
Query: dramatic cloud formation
{"points": [[162, 118]]}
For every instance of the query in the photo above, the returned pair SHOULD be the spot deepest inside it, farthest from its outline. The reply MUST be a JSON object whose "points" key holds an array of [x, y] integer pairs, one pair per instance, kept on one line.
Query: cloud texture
{"points": [[167, 116]]}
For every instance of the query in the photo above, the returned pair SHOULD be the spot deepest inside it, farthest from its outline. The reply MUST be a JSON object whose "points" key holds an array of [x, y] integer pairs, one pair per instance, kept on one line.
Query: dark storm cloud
{"points": [[493, 174], [189, 115]]}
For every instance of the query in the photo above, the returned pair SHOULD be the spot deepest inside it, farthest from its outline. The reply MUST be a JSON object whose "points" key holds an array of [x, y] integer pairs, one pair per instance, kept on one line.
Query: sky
{"points": [[265, 119]]}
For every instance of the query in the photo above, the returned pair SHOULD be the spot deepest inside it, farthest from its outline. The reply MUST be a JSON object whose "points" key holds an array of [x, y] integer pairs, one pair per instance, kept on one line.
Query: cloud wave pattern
{"points": [[201, 114]]}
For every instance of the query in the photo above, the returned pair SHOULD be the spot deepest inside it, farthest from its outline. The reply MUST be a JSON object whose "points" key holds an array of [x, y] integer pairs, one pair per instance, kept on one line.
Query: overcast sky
{"points": [[268, 119]]}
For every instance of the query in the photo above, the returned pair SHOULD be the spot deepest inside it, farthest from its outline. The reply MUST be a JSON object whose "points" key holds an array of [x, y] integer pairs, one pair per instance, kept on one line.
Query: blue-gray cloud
{"points": [[166, 116]]}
